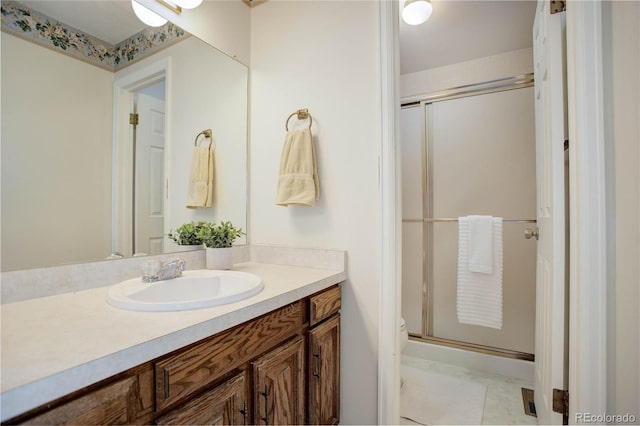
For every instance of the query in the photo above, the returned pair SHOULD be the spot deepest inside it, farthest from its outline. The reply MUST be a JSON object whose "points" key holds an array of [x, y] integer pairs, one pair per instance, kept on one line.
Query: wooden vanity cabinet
{"points": [[280, 368]]}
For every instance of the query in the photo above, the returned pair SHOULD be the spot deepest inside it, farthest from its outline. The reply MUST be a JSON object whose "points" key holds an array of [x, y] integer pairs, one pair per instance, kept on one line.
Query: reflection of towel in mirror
{"points": [[201, 178], [298, 181]]}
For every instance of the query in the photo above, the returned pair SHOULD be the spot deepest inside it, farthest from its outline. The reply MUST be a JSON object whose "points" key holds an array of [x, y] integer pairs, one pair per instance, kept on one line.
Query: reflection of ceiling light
{"points": [[416, 12], [188, 4], [147, 16]]}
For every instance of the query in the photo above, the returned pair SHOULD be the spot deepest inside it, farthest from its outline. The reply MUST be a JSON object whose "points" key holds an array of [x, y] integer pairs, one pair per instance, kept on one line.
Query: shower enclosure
{"points": [[469, 151]]}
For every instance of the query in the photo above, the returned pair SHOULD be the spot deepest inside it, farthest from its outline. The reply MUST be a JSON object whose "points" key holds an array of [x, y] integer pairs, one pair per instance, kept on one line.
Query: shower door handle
{"points": [[529, 233]]}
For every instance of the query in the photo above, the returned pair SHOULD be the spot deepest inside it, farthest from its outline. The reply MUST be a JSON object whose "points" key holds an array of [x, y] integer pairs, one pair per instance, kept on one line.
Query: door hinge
{"points": [[557, 6], [566, 144], [134, 119], [561, 402]]}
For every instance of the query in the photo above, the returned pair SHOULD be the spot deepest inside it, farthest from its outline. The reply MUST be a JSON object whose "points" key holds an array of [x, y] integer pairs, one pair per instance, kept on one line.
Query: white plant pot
{"points": [[219, 258], [189, 247]]}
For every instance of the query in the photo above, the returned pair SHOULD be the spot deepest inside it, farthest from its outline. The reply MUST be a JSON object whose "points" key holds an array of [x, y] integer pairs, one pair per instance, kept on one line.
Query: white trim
{"points": [[587, 258], [143, 77], [390, 219], [124, 86]]}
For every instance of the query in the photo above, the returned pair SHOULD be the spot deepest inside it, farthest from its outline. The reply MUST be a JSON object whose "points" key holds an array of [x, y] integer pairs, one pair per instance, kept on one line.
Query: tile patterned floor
{"points": [[503, 404]]}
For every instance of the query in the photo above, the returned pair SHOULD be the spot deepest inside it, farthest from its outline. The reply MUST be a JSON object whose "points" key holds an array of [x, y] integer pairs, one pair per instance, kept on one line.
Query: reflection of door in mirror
{"points": [[139, 170], [149, 143]]}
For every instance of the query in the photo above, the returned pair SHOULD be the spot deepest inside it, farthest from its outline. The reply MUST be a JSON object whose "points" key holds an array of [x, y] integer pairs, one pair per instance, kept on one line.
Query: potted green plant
{"points": [[218, 239], [187, 236]]}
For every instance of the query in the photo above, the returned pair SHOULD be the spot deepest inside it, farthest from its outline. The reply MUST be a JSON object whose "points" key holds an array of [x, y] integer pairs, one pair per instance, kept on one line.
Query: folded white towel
{"points": [[298, 180], [481, 244], [479, 298], [200, 193]]}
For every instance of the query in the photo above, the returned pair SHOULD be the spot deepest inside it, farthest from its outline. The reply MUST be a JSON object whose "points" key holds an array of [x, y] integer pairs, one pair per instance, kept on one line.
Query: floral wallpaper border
{"points": [[48, 32]]}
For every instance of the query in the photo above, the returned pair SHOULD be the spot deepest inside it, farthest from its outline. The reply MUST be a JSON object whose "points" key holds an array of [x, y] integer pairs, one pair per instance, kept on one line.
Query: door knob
{"points": [[528, 233]]}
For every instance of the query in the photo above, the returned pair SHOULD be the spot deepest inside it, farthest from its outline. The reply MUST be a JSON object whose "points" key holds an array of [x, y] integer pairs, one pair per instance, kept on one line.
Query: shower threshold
{"points": [[489, 350]]}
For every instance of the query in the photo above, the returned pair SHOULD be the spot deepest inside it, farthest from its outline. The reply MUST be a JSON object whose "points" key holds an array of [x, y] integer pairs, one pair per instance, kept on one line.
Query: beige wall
{"points": [[324, 55], [41, 157], [622, 89]]}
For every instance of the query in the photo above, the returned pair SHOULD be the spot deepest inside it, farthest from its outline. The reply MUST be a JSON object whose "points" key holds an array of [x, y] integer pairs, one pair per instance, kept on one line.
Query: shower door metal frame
{"points": [[427, 227], [425, 103]]}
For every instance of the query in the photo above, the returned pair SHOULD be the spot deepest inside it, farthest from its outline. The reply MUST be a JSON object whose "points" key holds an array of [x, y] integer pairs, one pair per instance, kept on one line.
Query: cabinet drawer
{"points": [[194, 368], [325, 304]]}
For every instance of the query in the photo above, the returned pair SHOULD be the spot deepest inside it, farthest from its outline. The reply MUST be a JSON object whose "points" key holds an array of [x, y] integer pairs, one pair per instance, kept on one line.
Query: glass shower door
{"points": [[476, 157]]}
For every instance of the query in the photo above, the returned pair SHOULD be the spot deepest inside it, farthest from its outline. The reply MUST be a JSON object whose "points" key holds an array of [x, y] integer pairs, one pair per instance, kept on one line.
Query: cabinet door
{"points": [[278, 379], [324, 373], [226, 404]]}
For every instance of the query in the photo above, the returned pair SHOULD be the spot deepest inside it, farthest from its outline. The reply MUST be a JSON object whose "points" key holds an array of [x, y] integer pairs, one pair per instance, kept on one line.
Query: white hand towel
{"points": [[481, 244], [479, 299], [298, 180], [200, 192]]}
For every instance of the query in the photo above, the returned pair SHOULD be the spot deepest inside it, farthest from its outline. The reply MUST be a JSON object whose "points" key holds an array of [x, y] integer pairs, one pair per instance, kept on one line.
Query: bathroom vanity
{"points": [[279, 366]]}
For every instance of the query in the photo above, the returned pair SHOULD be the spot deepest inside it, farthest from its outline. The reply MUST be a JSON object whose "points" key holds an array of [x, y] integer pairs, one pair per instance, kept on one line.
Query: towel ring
{"points": [[302, 114], [207, 134]]}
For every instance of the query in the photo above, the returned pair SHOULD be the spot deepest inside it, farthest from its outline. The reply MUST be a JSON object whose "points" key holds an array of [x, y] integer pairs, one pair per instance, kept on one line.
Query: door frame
{"points": [[587, 210], [390, 208], [123, 90], [587, 256], [390, 219]]}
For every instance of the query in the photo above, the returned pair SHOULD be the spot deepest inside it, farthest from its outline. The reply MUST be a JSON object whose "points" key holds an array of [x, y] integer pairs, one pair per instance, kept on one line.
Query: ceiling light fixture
{"points": [[416, 12], [147, 16]]}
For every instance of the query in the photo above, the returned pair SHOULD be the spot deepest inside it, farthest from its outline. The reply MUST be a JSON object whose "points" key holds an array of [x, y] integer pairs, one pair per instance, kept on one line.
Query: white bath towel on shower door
{"points": [[480, 294]]}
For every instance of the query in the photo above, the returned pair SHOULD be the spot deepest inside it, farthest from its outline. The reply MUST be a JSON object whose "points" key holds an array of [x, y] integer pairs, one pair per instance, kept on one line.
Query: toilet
{"points": [[404, 339], [404, 335]]}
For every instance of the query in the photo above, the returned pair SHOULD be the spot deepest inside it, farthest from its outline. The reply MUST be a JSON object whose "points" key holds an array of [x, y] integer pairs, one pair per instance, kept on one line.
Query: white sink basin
{"points": [[194, 290]]}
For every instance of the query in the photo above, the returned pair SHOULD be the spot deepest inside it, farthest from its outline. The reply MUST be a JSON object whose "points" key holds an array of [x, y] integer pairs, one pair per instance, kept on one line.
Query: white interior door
{"points": [[150, 143], [550, 109]]}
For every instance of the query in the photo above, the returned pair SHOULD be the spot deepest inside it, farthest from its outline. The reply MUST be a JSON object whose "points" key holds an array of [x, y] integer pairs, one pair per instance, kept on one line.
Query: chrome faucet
{"points": [[170, 269], [153, 270]]}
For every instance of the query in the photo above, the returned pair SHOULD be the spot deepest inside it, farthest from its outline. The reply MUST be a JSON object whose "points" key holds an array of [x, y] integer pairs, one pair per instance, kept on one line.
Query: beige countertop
{"points": [[55, 345]]}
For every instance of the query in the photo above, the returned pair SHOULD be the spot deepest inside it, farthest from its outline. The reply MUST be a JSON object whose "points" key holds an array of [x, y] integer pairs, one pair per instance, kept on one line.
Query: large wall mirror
{"points": [[80, 182]]}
